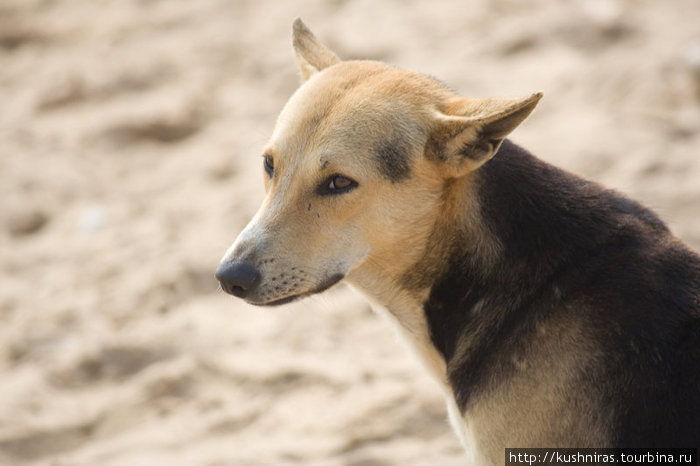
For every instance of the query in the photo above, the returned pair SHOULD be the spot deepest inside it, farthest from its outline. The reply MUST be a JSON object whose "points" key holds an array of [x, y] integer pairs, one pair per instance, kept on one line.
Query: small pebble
{"points": [[91, 219]]}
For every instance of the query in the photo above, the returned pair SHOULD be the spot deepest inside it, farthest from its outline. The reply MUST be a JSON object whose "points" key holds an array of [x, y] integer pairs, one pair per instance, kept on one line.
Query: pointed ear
{"points": [[312, 56], [474, 130]]}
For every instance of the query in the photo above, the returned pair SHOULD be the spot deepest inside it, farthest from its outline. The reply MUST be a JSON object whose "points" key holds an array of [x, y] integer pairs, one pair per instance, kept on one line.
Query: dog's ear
{"points": [[472, 130], [312, 56]]}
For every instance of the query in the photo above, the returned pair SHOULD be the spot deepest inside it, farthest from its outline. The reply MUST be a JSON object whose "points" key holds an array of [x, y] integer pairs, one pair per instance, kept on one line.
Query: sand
{"points": [[130, 135]]}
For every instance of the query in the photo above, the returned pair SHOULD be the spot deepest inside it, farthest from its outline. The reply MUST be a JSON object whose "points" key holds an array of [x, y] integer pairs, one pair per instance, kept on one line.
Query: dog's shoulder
{"points": [[570, 247]]}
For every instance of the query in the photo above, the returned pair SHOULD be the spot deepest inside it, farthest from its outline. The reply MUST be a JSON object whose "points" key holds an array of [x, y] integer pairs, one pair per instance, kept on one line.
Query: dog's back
{"points": [[585, 329]]}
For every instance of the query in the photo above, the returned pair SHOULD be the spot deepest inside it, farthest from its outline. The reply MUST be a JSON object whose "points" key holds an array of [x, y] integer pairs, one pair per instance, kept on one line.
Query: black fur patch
{"points": [[591, 257], [393, 157]]}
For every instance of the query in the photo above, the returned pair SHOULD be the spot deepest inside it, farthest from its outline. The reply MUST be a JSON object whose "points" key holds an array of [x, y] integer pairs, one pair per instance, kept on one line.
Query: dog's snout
{"points": [[238, 278]]}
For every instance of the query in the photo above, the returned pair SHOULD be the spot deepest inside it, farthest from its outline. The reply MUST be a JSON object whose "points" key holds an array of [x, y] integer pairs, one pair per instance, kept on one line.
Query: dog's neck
{"points": [[404, 311]]}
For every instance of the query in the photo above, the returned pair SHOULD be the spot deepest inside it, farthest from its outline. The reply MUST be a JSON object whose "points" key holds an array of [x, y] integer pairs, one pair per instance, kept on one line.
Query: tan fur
{"points": [[312, 56], [464, 120], [376, 234], [524, 411]]}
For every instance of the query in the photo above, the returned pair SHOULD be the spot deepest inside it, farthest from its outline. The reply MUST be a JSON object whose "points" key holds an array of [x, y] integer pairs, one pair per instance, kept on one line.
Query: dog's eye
{"points": [[337, 184], [269, 164]]}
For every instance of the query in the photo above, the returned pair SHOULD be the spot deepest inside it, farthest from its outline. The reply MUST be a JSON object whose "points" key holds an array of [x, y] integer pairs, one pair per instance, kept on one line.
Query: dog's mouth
{"points": [[323, 286]]}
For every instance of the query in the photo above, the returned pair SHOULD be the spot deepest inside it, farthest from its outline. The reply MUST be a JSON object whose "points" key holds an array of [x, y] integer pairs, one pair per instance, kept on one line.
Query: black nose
{"points": [[238, 278]]}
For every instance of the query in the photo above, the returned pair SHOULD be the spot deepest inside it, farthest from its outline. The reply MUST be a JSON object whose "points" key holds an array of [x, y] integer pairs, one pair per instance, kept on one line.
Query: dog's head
{"points": [[356, 175]]}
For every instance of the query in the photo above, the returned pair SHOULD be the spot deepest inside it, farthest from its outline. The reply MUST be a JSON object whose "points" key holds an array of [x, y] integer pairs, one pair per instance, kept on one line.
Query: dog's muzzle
{"points": [[238, 278]]}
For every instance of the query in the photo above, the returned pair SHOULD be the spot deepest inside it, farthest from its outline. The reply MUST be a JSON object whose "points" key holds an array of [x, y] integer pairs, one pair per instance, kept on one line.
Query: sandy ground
{"points": [[130, 133]]}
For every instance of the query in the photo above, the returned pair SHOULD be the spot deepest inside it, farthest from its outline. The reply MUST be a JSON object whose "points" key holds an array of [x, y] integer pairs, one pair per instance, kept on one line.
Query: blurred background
{"points": [[130, 139]]}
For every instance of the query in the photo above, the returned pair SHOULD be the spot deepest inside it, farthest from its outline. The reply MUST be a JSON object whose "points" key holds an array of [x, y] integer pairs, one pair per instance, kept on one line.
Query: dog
{"points": [[552, 311]]}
